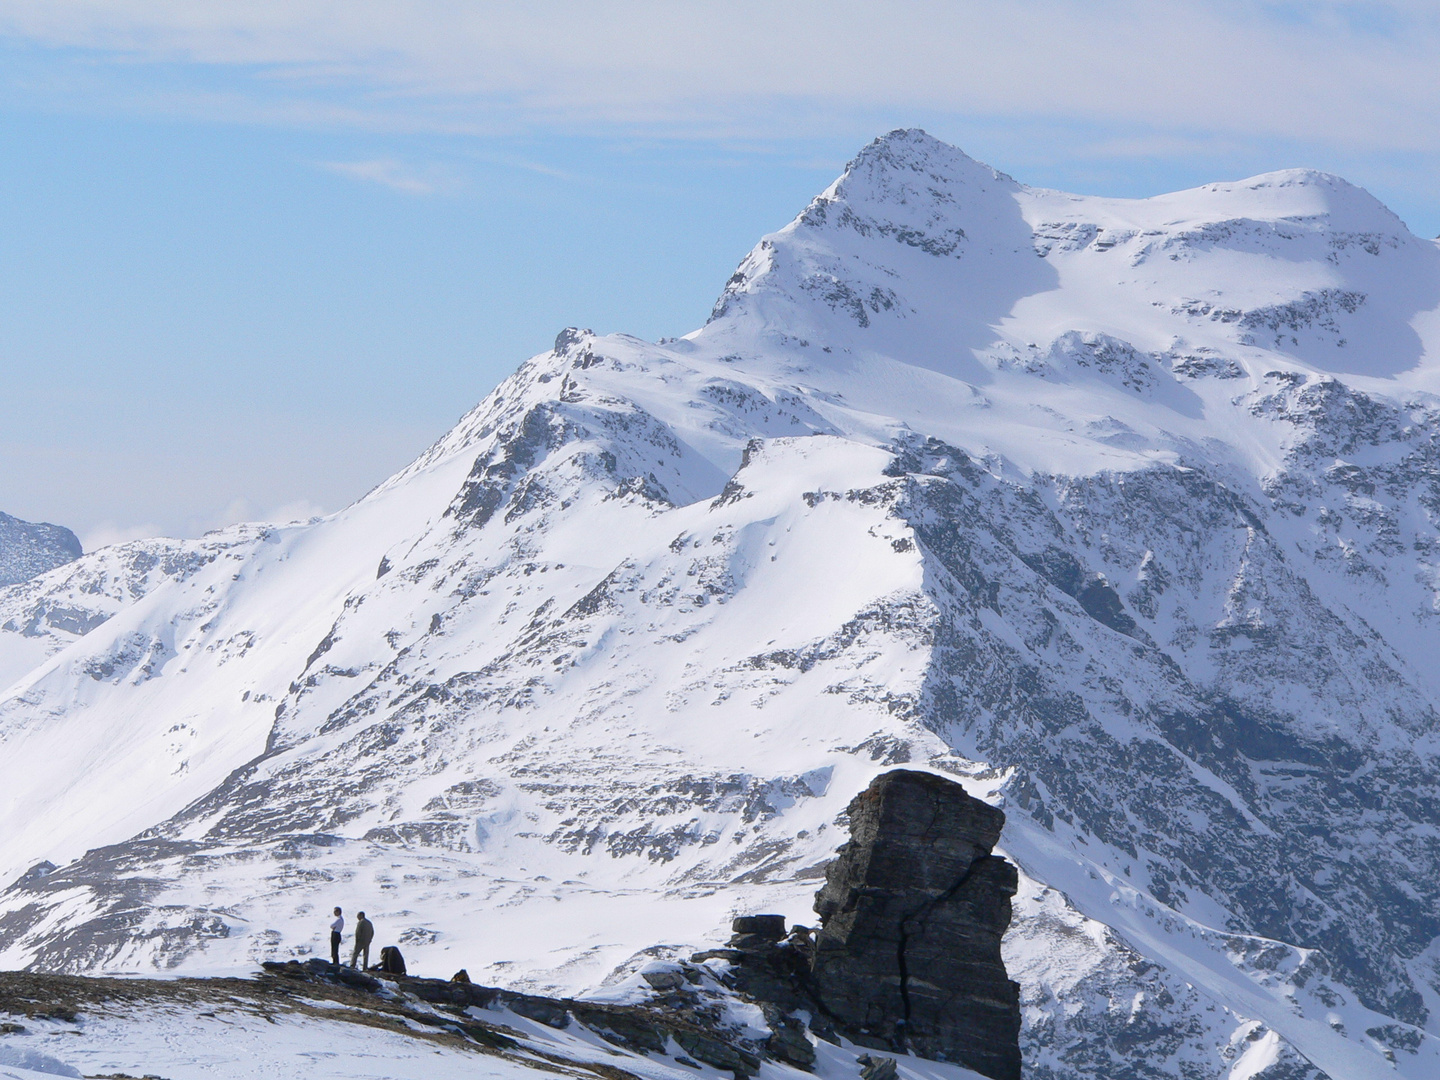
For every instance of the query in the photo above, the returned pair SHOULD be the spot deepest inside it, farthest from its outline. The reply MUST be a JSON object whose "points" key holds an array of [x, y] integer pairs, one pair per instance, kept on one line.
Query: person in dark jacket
{"points": [[364, 934], [336, 929]]}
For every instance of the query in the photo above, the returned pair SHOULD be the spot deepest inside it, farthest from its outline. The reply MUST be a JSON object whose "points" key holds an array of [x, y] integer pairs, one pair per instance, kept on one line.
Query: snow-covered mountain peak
{"points": [[910, 215], [1299, 194], [912, 169], [921, 256], [1123, 511]]}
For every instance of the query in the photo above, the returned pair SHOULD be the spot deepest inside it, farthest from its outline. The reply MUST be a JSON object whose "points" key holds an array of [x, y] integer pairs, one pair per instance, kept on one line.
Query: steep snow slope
{"points": [[52, 610], [1121, 511]]}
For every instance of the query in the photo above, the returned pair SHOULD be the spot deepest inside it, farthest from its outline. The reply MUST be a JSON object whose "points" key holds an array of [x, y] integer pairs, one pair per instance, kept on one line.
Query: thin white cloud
{"points": [[384, 171], [1353, 73], [1157, 146], [108, 532], [285, 513], [244, 510]]}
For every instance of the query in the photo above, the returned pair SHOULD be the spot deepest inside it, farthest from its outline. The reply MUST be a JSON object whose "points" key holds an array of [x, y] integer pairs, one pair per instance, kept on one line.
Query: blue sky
{"points": [[254, 257]]}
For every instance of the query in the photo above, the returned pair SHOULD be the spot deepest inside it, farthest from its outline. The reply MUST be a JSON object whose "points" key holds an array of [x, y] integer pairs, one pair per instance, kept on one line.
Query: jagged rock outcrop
{"points": [[907, 956], [908, 952]]}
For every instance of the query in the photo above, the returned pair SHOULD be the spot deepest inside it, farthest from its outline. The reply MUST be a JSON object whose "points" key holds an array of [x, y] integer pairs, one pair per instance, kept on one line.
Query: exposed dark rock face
{"points": [[912, 913], [907, 957]]}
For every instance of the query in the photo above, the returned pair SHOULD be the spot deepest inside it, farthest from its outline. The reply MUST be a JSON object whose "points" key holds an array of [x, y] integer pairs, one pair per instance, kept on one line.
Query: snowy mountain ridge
{"points": [[1121, 511]]}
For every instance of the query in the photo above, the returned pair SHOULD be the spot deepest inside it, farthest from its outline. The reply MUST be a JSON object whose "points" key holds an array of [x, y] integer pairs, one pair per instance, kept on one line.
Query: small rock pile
{"points": [[681, 1014]]}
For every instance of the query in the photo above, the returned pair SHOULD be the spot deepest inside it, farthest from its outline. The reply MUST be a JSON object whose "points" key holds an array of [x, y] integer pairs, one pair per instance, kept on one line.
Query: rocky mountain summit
{"points": [[1123, 514], [28, 549]]}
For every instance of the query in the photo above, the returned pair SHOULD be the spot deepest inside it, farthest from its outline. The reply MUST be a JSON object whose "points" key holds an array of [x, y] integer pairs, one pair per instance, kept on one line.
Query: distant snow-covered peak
{"points": [[1056, 332], [913, 183], [1296, 193], [28, 549], [920, 254]]}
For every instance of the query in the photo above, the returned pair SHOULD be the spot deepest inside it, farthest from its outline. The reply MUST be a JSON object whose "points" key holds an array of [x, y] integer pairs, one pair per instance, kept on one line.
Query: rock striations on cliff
{"points": [[907, 956]]}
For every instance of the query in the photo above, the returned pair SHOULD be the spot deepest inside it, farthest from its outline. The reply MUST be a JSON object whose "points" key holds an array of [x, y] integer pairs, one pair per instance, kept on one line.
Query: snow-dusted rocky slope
{"points": [[280, 1028], [1124, 512], [28, 548]]}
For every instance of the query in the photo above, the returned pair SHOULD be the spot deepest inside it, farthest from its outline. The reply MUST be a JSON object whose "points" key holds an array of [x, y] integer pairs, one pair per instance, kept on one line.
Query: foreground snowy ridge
{"points": [[1122, 512], [272, 1027]]}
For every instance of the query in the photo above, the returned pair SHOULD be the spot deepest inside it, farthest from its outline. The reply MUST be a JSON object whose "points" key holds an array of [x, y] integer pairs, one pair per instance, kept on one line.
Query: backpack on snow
{"points": [[391, 962]]}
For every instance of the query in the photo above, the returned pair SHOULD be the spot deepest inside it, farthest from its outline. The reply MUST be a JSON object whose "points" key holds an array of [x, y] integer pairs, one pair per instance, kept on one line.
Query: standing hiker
{"points": [[336, 928], [364, 934]]}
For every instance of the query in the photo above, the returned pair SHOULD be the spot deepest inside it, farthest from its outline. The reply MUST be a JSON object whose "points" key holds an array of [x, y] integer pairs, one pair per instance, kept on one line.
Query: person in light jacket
{"points": [[364, 934], [336, 929]]}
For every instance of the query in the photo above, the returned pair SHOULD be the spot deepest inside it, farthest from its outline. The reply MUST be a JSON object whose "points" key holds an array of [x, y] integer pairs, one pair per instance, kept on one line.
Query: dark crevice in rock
{"points": [[907, 957], [904, 983], [905, 933]]}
